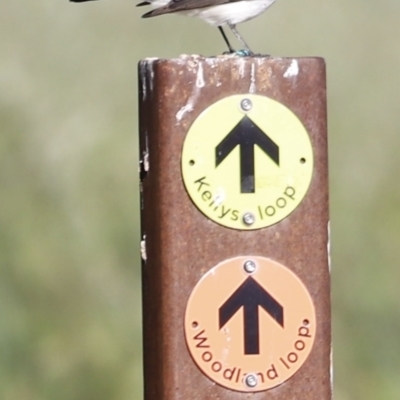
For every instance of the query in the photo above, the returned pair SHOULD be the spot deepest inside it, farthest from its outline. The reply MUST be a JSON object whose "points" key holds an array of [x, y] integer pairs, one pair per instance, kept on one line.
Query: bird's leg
{"points": [[240, 38], [231, 49]]}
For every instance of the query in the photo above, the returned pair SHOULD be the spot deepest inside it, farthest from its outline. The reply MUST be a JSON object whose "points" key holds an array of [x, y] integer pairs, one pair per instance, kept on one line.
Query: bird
{"points": [[219, 13]]}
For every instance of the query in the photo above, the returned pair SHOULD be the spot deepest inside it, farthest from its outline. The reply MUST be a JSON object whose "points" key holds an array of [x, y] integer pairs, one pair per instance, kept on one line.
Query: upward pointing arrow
{"points": [[250, 295], [246, 134]]}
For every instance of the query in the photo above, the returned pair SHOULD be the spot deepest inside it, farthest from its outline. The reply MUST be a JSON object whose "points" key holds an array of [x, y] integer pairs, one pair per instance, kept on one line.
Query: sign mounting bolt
{"points": [[249, 219], [249, 266], [246, 105], [251, 380]]}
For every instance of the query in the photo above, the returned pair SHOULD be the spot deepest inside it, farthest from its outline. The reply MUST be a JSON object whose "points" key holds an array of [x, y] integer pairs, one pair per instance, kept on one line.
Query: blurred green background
{"points": [[70, 325]]}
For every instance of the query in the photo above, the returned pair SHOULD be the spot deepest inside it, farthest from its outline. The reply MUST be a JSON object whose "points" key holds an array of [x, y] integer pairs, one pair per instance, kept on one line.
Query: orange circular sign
{"points": [[250, 324]]}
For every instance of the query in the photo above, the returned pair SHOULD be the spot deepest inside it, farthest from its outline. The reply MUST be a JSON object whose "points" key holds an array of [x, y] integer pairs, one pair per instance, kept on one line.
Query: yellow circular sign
{"points": [[250, 324], [247, 162]]}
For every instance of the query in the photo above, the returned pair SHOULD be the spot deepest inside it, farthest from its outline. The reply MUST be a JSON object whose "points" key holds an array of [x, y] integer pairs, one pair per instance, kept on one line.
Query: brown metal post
{"points": [[181, 244]]}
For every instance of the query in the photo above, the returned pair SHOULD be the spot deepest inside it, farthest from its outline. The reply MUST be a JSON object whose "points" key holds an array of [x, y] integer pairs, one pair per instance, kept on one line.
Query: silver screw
{"points": [[251, 380], [248, 218], [249, 266], [246, 104]]}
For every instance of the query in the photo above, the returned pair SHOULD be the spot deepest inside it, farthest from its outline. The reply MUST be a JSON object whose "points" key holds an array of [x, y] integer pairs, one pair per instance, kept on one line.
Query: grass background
{"points": [[69, 253]]}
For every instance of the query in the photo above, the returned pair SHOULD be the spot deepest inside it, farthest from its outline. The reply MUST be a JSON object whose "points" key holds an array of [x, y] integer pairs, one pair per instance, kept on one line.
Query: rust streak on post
{"points": [[182, 244]]}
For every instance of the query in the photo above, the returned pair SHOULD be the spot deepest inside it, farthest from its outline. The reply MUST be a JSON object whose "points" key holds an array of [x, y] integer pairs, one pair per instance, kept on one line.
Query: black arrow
{"points": [[246, 134], [250, 295]]}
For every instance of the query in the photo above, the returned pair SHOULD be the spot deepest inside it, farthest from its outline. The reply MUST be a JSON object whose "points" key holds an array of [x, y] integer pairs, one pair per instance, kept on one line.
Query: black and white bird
{"points": [[219, 13]]}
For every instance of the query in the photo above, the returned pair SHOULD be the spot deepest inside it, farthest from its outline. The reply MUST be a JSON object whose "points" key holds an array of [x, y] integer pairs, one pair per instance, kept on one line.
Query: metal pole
{"points": [[235, 225]]}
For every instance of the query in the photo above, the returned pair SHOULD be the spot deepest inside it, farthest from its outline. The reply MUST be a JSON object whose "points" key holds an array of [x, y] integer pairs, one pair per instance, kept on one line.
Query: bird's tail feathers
{"points": [[157, 11]]}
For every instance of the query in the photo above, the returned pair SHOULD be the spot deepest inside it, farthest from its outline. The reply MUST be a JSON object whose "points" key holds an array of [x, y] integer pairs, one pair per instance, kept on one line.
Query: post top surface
{"points": [[184, 58]]}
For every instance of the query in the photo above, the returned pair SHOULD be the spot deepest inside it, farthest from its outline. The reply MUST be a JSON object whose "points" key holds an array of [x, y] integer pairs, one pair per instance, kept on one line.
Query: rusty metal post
{"points": [[181, 244]]}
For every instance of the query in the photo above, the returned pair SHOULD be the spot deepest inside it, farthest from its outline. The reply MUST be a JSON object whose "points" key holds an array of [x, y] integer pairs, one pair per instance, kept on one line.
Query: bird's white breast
{"points": [[230, 13]]}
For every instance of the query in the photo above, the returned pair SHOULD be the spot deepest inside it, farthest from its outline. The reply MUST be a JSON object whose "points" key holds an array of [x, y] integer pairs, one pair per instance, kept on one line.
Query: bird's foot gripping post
{"points": [[243, 53], [236, 293]]}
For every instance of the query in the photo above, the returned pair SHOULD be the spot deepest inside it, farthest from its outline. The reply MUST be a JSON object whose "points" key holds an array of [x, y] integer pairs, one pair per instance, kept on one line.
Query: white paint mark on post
{"points": [[329, 246], [242, 65], [200, 76], [143, 251], [146, 164], [147, 81], [293, 70], [189, 106], [143, 79], [252, 88], [331, 368]]}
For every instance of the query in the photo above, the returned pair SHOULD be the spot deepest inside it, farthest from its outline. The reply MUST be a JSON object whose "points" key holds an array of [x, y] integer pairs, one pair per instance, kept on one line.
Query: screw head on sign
{"points": [[248, 219], [249, 266], [251, 380], [246, 104]]}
